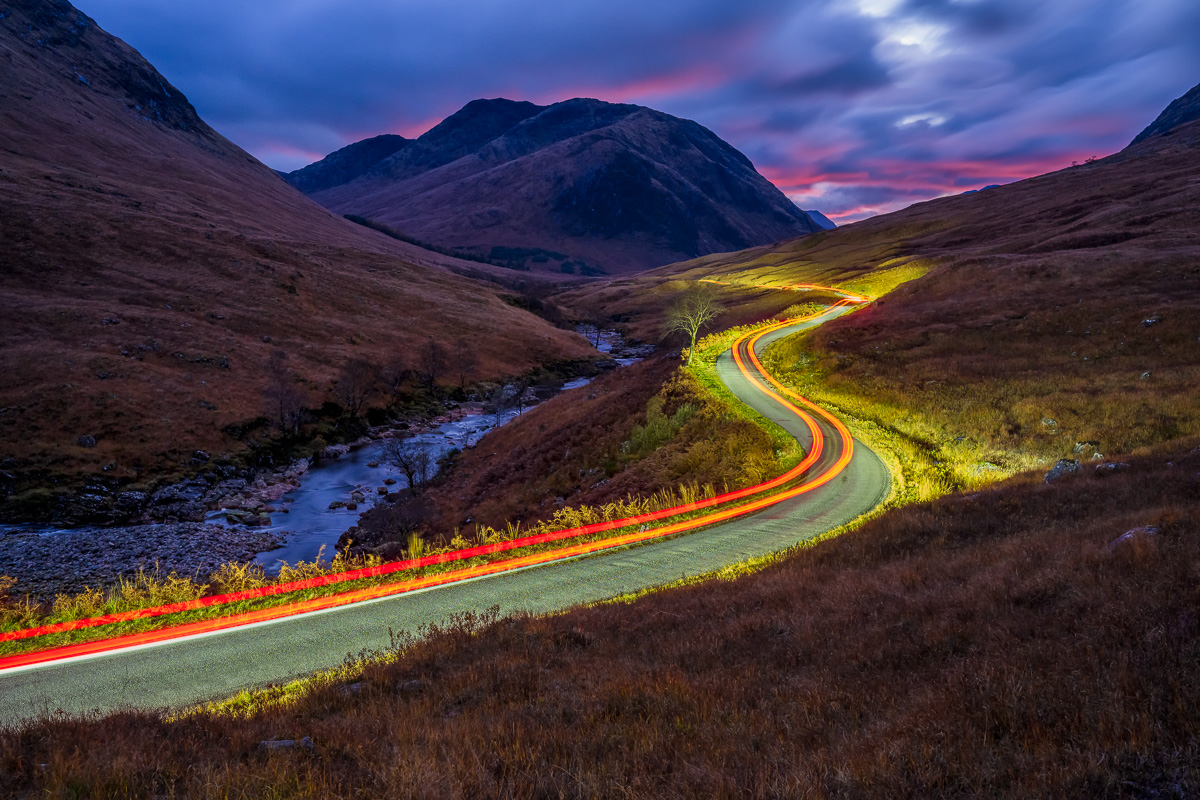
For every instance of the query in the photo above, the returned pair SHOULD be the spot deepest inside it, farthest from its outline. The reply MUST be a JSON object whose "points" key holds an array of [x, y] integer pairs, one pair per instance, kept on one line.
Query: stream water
{"points": [[309, 522], [304, 513], [303, 517]]}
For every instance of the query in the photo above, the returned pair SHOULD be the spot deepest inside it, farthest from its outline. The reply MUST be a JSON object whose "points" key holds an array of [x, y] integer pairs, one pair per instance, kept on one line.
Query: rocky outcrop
{"points": [[1065, 468]]}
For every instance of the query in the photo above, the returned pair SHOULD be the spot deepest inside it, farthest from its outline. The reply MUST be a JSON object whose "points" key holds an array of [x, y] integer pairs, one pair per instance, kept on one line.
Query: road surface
{"points": [[187, 671]]}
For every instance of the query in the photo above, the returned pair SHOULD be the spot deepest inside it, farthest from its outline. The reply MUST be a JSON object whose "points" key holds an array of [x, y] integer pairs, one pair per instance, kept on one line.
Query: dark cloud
{"points": [[851, 106]]}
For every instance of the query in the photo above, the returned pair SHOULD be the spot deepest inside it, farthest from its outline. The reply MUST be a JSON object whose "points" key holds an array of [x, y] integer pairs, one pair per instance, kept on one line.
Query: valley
{"points": [[913, 510]]}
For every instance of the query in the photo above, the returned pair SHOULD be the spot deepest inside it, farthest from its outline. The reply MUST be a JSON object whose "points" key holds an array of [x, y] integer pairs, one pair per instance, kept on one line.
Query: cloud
{"points": [[850, 106]]}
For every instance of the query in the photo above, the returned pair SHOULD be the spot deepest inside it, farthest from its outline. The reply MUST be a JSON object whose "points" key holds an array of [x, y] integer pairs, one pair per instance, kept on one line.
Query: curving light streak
{"points": [[743, 350]]}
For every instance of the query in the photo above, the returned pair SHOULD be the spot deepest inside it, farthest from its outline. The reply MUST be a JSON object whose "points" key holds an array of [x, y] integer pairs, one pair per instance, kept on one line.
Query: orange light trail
{"points": [[746, 342]]}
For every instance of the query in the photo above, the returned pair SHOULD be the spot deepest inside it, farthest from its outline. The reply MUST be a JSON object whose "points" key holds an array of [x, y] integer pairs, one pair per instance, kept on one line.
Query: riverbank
{"points": [[225, 513], [67, 561]]}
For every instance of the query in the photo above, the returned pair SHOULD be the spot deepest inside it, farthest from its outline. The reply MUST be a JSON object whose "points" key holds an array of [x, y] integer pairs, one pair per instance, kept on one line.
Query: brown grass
{"points": [[150, 272], [986, 645]]}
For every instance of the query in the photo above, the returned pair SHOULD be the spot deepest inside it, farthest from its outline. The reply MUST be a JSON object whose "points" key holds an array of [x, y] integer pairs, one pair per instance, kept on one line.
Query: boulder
{"points": [[286, 744], [1065, 467], [1128, 536]]}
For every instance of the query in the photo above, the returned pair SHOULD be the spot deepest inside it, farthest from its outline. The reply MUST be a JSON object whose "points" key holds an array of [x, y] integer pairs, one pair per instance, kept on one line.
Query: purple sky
{"points": [[852, 107]]}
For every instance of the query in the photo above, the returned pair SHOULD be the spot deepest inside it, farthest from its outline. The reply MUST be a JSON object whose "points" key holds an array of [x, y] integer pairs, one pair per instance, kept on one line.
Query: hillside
{"points": [[1055, 317], [152, 268], [577, 187], [1181, 110]]}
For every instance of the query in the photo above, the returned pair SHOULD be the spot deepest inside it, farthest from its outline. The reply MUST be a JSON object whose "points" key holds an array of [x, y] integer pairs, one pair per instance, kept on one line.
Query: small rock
{"points": [[1064, 468], [1135, 533], [200, 456], [1047, 422], [389, 482], [352, 506], [381, 490], [373, 464], [412, 687], [336, 504], [1154, 320], [286, 744], [1111, 467], [1145, 375], [86, 441], [357, 497]]}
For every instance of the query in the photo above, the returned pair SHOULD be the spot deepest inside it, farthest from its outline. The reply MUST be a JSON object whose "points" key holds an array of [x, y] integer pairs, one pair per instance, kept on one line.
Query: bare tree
{"points": [[285, 400], [431, 363], [465, 362], [394, 375], [690, 313], [355, 384], [596, 320], [410, 458]]}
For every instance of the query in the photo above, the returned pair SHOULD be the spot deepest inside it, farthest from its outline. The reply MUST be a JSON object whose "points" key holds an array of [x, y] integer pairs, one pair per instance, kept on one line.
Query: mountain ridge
{"points": [[617, 186]]}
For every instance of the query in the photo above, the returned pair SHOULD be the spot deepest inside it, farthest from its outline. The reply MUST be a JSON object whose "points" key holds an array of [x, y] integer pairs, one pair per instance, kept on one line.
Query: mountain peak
{"points": [[576, 186]]}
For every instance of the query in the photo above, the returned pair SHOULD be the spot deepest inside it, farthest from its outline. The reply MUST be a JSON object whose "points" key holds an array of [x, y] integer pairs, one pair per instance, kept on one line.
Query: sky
{"points": [[851, 107]]}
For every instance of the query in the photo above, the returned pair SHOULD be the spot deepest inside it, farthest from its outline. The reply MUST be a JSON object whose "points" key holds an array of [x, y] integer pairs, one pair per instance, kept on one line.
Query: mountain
{"points": [[579, 186], [1182, 110], [152, 270], [825, 222], [346, 164]]}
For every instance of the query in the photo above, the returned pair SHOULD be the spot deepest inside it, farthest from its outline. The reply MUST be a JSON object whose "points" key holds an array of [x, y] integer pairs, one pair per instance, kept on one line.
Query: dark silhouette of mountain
{"points": [[152, 269], [1181, 110], [822, 220], [346, 164], [581, 185]]}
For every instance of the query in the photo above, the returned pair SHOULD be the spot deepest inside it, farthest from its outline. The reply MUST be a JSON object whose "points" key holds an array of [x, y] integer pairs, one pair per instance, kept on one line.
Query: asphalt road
{"points": [[187, 671]]}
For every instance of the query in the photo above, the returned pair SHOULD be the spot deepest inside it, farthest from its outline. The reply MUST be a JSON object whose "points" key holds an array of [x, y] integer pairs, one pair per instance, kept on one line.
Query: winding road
{"points": [[209, 665]]}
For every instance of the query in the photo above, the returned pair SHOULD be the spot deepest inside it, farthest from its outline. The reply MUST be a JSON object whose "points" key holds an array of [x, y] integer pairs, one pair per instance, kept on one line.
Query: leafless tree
{"points": [[410, 458], [431, 363], [690, 313], [355, 384], [465, 362], [394, 375], [595, 320], [285, 400]]}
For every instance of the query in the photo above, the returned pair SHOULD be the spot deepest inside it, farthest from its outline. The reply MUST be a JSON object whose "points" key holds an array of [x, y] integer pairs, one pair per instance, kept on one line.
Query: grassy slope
{"points": [[140, 253], [1026, 340]]}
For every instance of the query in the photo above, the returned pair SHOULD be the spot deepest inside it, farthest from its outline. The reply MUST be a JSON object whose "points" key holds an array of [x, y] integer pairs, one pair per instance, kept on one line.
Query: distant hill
{"points": [[346, 164], [1182, 110], [151, 269], [825, 222], [581, 186]]}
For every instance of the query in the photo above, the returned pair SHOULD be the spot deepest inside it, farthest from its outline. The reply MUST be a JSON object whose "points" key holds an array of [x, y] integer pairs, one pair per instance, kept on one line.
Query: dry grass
{"points": [[152, 270], [993, 644]]}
